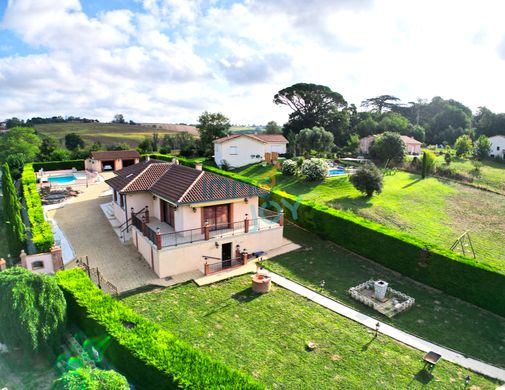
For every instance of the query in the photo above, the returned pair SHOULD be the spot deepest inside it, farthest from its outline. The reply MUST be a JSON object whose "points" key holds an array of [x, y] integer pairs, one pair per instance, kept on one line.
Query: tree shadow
{"points": [[351, 203], [367, 345], [412, 183], [244, 296]]}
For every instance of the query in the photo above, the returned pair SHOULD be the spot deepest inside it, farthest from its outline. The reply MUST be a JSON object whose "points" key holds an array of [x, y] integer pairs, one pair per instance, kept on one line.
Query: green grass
{"points": [[492, 173], [266, 336], [106, 133], [434, 210], [20, 373], [436, 316]]}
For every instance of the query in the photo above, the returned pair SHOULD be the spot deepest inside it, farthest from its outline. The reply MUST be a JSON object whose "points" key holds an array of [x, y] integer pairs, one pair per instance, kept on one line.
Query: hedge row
{"points": [[59, 165], [151, 356], [467, 279], [41, 232]]}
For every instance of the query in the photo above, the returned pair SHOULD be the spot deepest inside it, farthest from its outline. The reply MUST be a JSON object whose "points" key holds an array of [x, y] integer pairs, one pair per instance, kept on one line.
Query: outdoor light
{"points": [[217, 244], [377, 325], [467, 379], [194, 209], [246, 200]]}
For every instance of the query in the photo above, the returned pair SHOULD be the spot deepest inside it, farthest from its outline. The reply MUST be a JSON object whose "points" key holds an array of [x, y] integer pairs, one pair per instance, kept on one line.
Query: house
{"points": [[112, 160], [497, 146], [412, 146], [183, 219], [243, 149]]}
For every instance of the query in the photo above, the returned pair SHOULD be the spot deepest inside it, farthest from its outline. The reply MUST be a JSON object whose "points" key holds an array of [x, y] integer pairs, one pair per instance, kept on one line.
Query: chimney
{"points": [[199, 166], [148, 158], [175, 161]]}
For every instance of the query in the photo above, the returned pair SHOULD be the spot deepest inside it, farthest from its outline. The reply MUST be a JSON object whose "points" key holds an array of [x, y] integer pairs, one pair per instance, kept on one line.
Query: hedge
{"points": [[41, 232], [146, 353], [467, 279], [57, 165]]}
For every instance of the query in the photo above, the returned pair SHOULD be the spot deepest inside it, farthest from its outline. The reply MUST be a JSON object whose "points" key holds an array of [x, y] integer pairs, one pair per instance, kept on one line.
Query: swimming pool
{"points": [[336, 172], [62, 179]]}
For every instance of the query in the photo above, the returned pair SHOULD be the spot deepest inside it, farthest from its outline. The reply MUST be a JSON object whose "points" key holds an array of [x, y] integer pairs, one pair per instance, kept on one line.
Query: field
{"points": [[433, 210], [110, 133], [266, 336], [492, 173]]}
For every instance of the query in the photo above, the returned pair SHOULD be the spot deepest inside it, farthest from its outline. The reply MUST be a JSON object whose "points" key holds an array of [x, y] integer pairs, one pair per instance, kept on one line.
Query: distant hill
{"points": [[112, 133]]}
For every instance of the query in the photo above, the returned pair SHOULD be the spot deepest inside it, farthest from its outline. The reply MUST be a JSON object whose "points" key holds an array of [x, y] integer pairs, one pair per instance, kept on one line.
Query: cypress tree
{"points": [[425, 161]]}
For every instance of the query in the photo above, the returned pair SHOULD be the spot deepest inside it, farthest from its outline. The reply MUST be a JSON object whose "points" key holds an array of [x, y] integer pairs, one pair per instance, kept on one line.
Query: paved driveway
{"points": [[90, 234]]}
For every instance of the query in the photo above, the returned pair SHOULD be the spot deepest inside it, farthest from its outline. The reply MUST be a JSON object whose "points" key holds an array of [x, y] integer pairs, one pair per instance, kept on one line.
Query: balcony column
{"points": [[281, 218], [147, 214], [158, 238], [206, 231], [246, 225]]}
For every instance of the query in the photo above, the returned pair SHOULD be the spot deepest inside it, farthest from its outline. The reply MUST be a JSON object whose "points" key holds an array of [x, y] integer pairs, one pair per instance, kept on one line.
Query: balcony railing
{"points": [[269, 220]]}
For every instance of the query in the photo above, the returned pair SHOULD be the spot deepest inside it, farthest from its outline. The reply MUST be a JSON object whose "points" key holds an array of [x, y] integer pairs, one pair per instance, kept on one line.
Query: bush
{"points": [[59, 165], [429, 162], [151, 355], [425, 262], [367, 179], [448, 158], [388, 147], [289, 168], [314, 169], [33, 309], [225, 165], [452, 173], [91, 378], [41, 232]]}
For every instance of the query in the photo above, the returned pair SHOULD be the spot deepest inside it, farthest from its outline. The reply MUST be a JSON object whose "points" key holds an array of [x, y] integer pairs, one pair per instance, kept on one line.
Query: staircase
{"points": [[119, 229]]}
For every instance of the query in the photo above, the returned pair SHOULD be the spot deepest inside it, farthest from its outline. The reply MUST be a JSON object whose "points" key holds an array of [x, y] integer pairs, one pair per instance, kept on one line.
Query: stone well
{"points": [[261, 283]]}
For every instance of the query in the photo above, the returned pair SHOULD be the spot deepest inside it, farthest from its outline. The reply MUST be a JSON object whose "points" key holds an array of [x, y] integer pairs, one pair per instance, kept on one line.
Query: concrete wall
{"points": [[95, 166], [190, 257], [413, 148]]}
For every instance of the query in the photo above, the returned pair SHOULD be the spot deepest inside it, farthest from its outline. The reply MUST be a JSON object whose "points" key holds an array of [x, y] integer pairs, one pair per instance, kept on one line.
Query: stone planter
{"points": [[380, 288], [261, 283]]}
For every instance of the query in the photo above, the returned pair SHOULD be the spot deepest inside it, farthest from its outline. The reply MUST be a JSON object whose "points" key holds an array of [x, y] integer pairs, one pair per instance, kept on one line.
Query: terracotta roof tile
{"points": [[113, 154]]}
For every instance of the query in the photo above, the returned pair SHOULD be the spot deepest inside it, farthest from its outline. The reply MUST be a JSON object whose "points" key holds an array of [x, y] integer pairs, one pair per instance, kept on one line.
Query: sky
{"points": [[169, 60]]}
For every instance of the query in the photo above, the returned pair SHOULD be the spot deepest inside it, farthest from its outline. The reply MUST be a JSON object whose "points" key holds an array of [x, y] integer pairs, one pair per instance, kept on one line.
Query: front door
{"points": [[226, 254]]}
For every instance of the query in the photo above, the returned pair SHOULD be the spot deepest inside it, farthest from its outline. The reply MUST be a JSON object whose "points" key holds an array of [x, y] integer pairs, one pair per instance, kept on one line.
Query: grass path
{"points": [[433, 210], [436, 317], [266, 336]]}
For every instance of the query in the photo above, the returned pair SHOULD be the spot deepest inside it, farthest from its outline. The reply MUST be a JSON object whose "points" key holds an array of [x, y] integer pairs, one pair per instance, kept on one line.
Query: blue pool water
{"points": [[336, 172], [62, 179]]}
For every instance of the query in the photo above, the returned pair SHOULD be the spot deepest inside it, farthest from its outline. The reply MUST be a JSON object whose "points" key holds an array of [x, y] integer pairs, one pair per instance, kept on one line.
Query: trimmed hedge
{"points": [[41, 232], [467, 279], [57, 165], [148, 354]]}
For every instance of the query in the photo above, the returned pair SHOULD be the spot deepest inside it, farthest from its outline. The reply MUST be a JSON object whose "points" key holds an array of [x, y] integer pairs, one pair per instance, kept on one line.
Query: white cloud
{"points": [[177, 57]]}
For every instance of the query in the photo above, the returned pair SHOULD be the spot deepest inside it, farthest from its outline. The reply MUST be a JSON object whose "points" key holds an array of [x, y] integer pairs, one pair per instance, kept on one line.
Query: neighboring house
{"points": [[243, 149], [184, 219], [112, 160], [3, 127], [412, 146], [497, 146]]}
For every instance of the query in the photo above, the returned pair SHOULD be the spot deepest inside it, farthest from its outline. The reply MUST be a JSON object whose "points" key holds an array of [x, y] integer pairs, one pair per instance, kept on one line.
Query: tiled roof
{"points": [[114, 154], [409, 140], [180, 184], [265, 138]]}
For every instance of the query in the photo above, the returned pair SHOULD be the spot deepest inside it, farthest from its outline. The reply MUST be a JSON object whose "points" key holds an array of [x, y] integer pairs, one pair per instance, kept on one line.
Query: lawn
{"points": [[436, 316], [18, 373], [492, 173], [106, 133], [434, 210], [266, 336]]}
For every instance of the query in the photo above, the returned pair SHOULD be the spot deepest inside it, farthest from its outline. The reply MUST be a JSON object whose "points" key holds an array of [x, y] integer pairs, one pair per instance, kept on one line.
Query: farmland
{"points": [[110, 133], [433, 210]]}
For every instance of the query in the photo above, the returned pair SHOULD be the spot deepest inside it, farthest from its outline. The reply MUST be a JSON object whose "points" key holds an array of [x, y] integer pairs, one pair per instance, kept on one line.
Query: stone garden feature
{"points": [[261, 283], [379, 296]]}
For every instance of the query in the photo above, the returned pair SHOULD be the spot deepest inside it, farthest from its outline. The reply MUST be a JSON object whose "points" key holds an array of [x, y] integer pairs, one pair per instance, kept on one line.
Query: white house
{"points": [[243, 149], [497, 146], [412, 146], [183, 219]]}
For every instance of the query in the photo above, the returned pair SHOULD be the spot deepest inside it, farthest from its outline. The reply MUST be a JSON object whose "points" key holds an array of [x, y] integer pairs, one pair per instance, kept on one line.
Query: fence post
{"points": [[281, 218], [206, 231], [147, 214], [245, 257], [158, 238], [246, 225], [22, 256], [206, 268]]}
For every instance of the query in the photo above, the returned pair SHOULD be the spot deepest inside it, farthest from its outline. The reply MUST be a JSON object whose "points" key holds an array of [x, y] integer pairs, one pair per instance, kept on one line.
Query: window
{"points": [[37, 265], [233, 150], [115, 196], [218, 217], [121, 201], [497, 148]]}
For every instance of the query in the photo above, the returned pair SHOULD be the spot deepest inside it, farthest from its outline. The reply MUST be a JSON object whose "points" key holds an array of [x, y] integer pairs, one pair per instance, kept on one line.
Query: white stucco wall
{"points": [[497, 146], [245, 148], [275, 147], [45, 258], [138, 201], [413, 148]]}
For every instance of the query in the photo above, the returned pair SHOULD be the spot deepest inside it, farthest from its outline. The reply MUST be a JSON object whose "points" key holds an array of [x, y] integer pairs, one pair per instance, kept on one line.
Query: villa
{"points": [[239, 150], [412, 146], [497, 146], [183, 219]]}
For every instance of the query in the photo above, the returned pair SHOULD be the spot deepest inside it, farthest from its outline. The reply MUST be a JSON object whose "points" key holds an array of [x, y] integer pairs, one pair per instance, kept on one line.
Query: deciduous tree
{"points": [[482, 147], [388, 147], [20, 140], [379, 103], [73, 141], [463, 145], [317, 139], [273, 128], [212, 126], [367, 179]]}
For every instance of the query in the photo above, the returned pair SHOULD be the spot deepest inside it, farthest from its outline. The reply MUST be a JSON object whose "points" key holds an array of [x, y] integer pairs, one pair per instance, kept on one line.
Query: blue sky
{"points": [[169, 60]]}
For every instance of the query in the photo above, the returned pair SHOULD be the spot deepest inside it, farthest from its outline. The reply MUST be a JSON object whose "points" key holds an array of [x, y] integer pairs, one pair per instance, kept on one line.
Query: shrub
{"points": [[448, 158], [429, 162], [91, 378], [289, 168], [57, 165], [463, 145], [453, 173], [225, 165], [299, 161], [151, 355], [33, 309], [482, 147], [314, 169], [41, 232], [367, 179], [388, 147]]}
